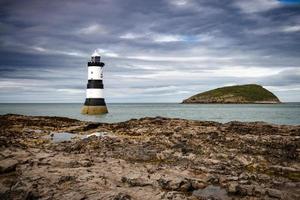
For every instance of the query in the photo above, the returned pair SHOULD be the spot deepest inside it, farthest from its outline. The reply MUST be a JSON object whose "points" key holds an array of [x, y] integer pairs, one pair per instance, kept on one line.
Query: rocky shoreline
{"points": [[148, 158]]}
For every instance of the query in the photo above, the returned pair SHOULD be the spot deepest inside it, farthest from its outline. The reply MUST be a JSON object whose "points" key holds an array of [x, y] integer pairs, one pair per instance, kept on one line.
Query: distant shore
{"points": [[147, 158], [236, 94], [257, 102]]}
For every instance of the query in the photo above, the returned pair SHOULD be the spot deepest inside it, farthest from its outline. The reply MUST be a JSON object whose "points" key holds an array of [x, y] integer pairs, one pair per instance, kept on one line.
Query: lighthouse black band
{"points": [[100, 64], [94, 102], [95, 84]]}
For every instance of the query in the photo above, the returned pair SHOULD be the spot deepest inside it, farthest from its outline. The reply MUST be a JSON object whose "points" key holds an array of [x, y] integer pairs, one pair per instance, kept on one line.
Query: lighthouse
{"points": [[94, 103]]}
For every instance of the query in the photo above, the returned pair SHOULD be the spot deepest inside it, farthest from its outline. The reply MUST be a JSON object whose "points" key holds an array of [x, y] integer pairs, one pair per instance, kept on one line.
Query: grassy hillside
{"points": [[250, 93]]}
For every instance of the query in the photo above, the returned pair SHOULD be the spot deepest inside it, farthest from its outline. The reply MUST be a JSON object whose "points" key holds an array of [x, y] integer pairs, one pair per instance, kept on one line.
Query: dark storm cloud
{"points": [[162, 50]]}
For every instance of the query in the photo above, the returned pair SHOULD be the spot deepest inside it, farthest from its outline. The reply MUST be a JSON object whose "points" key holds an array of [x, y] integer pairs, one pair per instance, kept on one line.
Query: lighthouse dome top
{"points": [[95, 54], [95, 57], [95, 60]]}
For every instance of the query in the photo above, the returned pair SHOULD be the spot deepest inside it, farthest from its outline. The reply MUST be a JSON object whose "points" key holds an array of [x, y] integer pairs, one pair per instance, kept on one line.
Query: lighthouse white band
{"points": [[94, 93], [95, 73]]}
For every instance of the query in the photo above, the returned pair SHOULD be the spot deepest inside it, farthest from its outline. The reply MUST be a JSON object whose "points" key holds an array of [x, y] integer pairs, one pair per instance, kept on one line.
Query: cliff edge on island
{"points": [[251, 93]]}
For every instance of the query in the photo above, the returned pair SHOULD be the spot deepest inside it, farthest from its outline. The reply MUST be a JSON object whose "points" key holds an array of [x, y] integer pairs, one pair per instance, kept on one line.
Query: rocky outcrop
{"points": [[148, 158], [239, 94]]}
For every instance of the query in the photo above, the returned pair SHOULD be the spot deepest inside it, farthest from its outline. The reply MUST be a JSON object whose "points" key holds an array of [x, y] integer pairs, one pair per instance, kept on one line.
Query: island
{"points": [[149, 158], [239, 94]]}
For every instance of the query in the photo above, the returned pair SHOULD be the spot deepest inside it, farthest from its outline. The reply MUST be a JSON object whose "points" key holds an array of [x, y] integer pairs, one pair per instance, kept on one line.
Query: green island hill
{"points": [[240, 94]]}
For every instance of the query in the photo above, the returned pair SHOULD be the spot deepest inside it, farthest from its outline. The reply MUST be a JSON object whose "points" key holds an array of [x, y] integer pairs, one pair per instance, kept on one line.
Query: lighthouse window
{"points": [[97, 59]]}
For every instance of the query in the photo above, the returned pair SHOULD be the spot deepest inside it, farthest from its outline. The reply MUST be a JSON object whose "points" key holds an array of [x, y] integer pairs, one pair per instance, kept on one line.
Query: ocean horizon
{"points": [[285, 113]]}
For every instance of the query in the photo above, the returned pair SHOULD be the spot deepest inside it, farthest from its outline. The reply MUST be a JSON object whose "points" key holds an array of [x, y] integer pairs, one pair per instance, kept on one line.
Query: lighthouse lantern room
{"points": [[94, 103]]}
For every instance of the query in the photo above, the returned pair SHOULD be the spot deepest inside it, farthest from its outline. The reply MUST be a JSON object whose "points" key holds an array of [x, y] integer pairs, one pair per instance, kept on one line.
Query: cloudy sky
{"points": [[154, 51]]}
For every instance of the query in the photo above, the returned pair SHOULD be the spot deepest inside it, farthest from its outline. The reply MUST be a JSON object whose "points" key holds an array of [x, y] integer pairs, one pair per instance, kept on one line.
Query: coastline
{"points": [[148, 158], [271, 113]]}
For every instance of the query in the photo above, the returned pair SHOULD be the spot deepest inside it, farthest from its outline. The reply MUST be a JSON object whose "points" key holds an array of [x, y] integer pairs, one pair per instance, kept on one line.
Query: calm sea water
{"points": [[287, 113]]}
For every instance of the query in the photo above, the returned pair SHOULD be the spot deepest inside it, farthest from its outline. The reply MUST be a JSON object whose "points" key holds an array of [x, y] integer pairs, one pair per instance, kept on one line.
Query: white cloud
{"points": [[253, 6], [161, 38], [71, 91], [229, 73], [291, 28], [166, 38], [55, 51], [131, 36], [155, 37], [107, 53], [284, 88], [41, 49], [93, 29], [246, 72], [279, 29], [179, 2], [178, 58]]}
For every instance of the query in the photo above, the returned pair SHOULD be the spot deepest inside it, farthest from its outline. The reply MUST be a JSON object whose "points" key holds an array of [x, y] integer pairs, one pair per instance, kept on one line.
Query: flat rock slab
{"points": [[8, 165]]}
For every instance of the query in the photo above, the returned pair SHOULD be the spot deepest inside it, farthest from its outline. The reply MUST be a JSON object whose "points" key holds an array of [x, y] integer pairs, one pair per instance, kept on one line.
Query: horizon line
{"points": [[129, 102]]}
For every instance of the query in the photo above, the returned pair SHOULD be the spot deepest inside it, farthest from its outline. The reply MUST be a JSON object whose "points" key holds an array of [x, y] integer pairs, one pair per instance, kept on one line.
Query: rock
{"points": [[290, 184], [63, 179], [21, 191], [164, 154], [245, 190], [212, 179], [6, 153], [8, 165], [282, 170], [198, 184], [32, 195], [4, 189], [135, 182], [173, 195], [288, 172], [122, 196], [243, 160], [259, 191], [232, 188], [233, 178], [211, 192], [243, 182], [176, 184], [274, 193], [86, 163], [244, 176], [91, 126], [167, 184], [186, 186], [74, 195]]}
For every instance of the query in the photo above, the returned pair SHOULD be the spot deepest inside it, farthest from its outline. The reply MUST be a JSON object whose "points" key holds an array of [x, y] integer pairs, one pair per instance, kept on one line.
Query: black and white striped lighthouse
{"points": [[94, 103]]}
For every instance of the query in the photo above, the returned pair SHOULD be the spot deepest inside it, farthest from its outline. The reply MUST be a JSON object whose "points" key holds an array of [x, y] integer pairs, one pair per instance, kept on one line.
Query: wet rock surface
{"points": [[148, 158]]}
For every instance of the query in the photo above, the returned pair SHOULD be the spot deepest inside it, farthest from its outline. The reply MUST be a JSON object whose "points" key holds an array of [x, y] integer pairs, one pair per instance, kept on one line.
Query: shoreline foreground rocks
{"points": [[147, 158]]}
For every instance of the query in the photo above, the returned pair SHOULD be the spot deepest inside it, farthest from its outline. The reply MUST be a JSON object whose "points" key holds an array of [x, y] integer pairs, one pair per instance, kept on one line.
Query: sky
{"points": [[154, 51]]}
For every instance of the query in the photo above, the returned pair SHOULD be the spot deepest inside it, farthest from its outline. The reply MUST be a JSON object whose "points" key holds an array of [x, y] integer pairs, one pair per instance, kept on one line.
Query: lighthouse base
{"points": [[94, 110]]}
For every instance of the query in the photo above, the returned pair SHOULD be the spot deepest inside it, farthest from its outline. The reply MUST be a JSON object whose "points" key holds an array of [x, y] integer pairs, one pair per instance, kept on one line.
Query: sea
{"points": [[286, 113]]}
